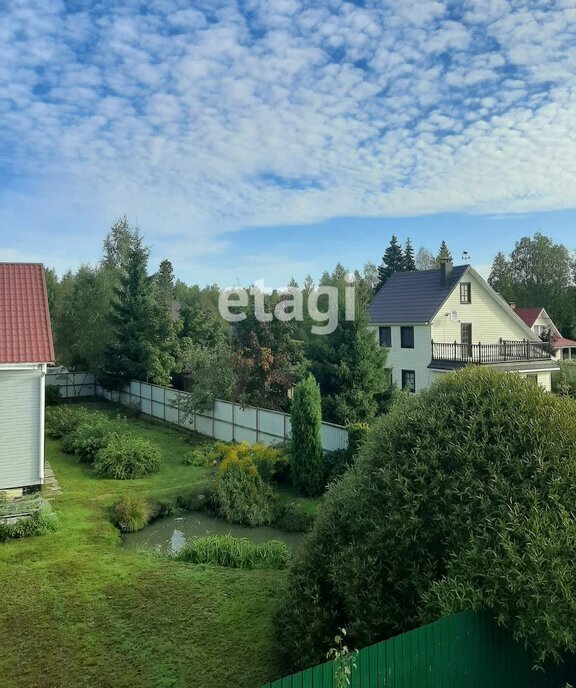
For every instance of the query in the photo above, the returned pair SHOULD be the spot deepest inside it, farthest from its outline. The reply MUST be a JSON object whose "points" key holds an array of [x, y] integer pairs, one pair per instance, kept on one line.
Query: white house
{"points": [[25, 350], [541, 323], [436, 321]]}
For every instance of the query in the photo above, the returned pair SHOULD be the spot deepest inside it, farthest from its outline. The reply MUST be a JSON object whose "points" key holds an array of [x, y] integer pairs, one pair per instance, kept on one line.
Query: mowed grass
{"points": [[78, 610]]}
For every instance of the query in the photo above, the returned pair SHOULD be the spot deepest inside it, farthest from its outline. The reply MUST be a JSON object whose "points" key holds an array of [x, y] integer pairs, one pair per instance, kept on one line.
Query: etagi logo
{"points": [[321, 302]]}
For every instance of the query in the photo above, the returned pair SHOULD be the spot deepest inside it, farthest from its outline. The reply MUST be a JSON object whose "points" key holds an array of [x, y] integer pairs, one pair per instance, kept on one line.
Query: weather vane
{"points": [[465, 256]]}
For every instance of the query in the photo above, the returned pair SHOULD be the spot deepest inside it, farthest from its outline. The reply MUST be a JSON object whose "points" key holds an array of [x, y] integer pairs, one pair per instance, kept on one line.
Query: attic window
{"points": [[465, 292]]}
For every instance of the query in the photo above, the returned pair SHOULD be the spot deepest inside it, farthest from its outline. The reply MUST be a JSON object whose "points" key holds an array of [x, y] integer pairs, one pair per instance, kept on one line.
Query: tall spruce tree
{"points": [[138, 350], [348, 363], [392, 261], [409, 263], [307, 459]]}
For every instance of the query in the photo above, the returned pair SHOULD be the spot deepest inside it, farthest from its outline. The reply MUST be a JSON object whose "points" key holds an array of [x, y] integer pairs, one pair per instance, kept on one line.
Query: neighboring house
{"points": [[541, 323], [436, 321], [25, 350]]}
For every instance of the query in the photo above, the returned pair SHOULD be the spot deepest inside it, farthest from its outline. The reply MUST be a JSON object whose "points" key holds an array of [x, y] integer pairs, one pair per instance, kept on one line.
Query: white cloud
{"points": [[199, 121]]}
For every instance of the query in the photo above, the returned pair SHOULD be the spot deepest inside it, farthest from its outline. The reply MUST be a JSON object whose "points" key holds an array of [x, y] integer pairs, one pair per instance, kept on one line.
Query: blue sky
{"points": [[258, 140]]}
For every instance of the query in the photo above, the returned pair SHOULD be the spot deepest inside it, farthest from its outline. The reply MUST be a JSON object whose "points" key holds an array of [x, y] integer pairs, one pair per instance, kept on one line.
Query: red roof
{"points": [[529, 315], [562, 343], [25, 333]]}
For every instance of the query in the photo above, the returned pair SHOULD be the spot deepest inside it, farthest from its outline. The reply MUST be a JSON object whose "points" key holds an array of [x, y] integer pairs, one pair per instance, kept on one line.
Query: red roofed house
{"points": [[25, 350], [540, 322]]}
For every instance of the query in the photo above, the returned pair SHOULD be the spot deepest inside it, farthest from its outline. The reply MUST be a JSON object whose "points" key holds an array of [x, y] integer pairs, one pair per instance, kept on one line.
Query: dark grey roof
{"points": [[412, 297]]}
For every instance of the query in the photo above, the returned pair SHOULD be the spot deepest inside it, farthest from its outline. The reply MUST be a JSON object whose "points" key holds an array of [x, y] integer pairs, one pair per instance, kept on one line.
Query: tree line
{"points": [[123, 323]]}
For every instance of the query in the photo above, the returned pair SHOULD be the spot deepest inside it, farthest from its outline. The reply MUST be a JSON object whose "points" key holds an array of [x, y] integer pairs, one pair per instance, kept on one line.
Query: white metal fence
{"points": [[227, 421], [72, 384]]}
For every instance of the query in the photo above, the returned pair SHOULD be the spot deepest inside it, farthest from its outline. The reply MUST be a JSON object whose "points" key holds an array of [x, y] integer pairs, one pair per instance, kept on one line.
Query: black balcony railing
{"points": [[502, 352]]}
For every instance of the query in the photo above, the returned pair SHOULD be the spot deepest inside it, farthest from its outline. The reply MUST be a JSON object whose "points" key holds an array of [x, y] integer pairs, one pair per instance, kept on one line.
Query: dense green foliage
{"points": [[306, 460], [143, 340], [540, 273], [92, 435], [52, 395], [235, 553], [461, 498], [125, 457], [42, 521], [564, 381], [241, 493], [63, 419], [292, 518], [131, 513], [348, 364]]}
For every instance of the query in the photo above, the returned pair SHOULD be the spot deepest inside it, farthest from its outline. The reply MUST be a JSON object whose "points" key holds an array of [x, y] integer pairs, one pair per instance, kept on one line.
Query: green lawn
{"points": [[79, 611]]}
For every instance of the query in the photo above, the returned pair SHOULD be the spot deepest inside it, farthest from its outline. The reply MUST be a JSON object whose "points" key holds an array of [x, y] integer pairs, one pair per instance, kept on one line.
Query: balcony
{"points": [[486, 354]]}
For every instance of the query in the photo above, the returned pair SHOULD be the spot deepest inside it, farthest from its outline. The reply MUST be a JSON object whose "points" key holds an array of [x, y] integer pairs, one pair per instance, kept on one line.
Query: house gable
{"points": [[491, 317]]}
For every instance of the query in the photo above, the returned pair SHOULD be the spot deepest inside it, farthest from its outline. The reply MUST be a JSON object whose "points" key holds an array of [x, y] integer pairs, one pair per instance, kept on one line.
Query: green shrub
{"points": [[241, 494], [462, 497], [162, 508], [357, 433], [564, 380], [41, 522], [335, 464], [306, 461], [52, 395], [125, 457], [64, 419], [92, 435], [271, 462], [200, 497], [201, 455], [291, 518], [236, 553], [131, 513]]}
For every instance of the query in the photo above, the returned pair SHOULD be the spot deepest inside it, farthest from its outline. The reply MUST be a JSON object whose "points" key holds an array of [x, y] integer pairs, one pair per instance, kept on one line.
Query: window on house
{"points": [[533, 378], [385, 336], [388, 376], [407, 337], [465, 292], [409, 380]]}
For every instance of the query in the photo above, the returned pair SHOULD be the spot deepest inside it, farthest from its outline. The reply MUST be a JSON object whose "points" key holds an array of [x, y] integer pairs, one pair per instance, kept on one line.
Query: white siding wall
{"points": [[416, 359], [20, 420], [489, 321]]}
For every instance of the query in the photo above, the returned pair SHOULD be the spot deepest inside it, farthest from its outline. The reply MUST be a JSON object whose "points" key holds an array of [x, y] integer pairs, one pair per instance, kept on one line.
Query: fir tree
{"points": [[307, 459], [443, 254], [139, 350], [392, 261], [409, 264]]}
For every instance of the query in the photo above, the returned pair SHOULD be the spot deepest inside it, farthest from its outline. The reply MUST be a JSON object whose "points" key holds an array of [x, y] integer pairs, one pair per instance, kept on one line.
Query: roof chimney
{"points": [[445, 271]]}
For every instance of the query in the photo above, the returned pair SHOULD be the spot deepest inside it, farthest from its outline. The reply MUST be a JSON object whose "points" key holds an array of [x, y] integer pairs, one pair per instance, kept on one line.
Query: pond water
{"points": [[168, 535]]}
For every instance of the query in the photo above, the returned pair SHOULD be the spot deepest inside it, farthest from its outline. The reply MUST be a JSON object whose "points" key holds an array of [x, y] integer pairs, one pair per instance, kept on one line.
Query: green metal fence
{"points": [[467, 650]]}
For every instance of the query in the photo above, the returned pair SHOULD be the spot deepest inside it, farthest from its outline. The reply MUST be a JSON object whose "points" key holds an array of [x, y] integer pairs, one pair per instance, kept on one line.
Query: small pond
{"points": [[168, 535]]}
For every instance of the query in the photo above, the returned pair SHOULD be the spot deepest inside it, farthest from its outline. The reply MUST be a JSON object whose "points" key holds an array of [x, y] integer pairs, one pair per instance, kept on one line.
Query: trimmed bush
{"points": [[306, 462], [92, 435], [131, 513], [42, 522], [236, 553], [462, 497], [125, 457], [241, 494], [64, 419]]}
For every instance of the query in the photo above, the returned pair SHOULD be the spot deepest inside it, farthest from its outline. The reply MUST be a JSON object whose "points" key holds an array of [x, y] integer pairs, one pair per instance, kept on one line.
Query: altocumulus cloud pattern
{"points": [[221, 114]]}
